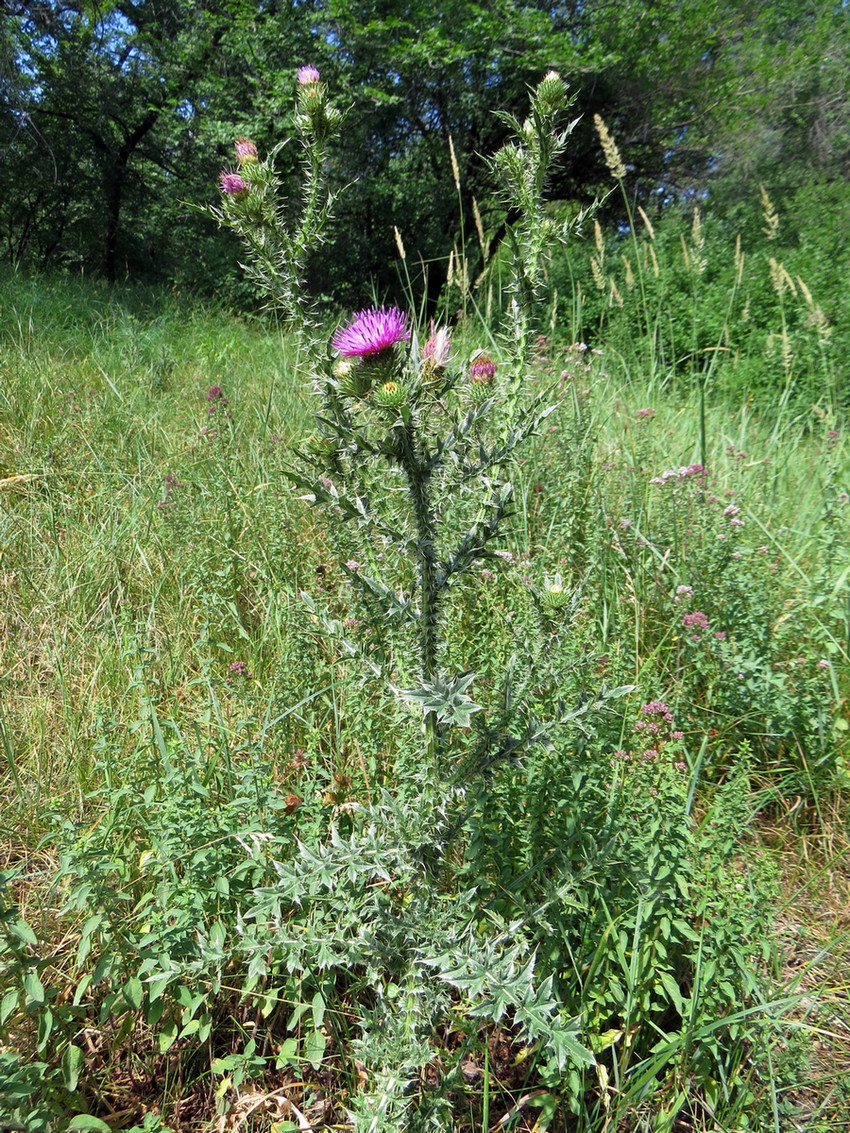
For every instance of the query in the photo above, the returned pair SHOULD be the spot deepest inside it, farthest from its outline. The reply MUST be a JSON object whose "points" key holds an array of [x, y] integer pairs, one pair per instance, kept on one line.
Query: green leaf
{"points": [[167, 1035], [23, 932], [672, 988], [134, 992], [87, 1122], [34, 989], [314, 1048], [8, 1004], [318, 1008], [45, 1028], [72, 1064]]}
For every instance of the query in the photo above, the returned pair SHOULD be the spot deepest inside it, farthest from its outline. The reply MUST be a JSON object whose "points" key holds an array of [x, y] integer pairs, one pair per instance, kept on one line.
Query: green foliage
{"points": [[684, 302], [256, 873]]}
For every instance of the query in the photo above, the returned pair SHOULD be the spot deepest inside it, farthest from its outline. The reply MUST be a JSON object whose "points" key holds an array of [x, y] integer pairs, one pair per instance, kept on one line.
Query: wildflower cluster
{"points": [[655, 735]]}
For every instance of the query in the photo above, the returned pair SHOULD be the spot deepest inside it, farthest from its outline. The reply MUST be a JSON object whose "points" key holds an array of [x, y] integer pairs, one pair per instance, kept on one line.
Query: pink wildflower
{"points": [[246, 151], [307, 75], [438, 347], [696, 620], [371, 332], [657, 708], [233, 184]]}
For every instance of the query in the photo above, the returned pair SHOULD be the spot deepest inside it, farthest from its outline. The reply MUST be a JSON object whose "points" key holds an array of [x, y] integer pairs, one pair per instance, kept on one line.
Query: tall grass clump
{"points": [[401, 810], [684, 300]]}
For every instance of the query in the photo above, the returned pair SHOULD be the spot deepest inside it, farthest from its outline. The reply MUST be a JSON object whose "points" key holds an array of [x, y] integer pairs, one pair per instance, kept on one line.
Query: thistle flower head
{"points": [[391, 395], [307, 75], [370, 332], [246, 152], [483, 370], [552, 91], [436, 352], [555, 595], [233, 185]]}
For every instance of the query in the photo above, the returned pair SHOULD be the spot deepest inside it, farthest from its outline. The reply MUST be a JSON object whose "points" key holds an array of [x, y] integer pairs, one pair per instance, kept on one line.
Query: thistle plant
{"points": [[413, 446], [277, 240], [521, 169]]}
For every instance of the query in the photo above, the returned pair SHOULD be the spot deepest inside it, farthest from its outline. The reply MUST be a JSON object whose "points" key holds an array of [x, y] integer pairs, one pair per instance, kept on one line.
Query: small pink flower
{"points": [[696, 620], [823, 663], [438, 347], [677, 735], [307, 75], [233, 185], [246, 151], [370, 332]]}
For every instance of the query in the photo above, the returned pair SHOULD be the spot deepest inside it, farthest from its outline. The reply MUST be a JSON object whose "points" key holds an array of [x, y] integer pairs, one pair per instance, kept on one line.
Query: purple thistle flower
{"points": [[307, 75], [246, 151], [233, 184], [370, 332], [482, 370]]}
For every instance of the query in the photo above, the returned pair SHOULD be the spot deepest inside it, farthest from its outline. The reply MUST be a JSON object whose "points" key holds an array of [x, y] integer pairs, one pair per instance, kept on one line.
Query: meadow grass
{"points": [[176, 687]]}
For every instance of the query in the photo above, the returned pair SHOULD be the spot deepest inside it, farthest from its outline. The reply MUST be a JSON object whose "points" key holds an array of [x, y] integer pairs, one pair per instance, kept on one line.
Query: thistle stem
{"points": [[429, 585]]}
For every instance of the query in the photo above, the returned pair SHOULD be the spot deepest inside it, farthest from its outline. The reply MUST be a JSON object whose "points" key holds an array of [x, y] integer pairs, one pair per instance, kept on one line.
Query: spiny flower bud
{"points": [[481, 374], [552, 92], [352, 379], [482, 370], [246, 152], [320, 446], [390, 395], [554, 596]]}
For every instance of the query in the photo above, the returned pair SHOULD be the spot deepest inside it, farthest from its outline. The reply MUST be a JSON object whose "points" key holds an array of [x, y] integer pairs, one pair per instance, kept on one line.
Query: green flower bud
{"points": [[390, 395], [554, 596], [551, 93]]}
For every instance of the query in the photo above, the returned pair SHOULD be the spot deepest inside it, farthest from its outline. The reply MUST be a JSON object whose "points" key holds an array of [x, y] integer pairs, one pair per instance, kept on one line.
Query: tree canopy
{"points": [[116, 117]]}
